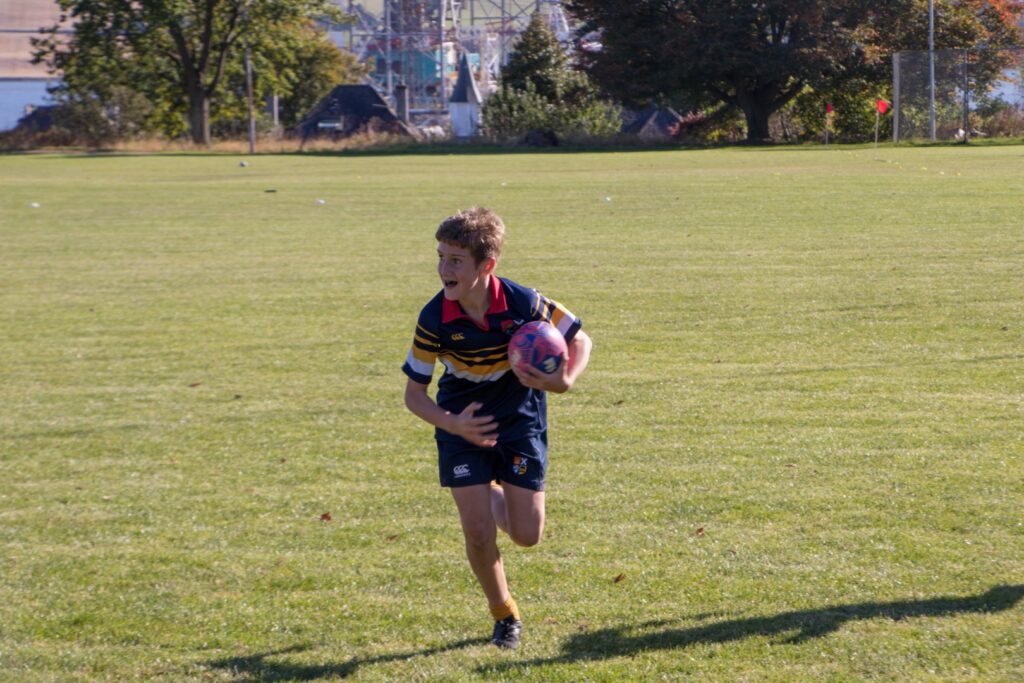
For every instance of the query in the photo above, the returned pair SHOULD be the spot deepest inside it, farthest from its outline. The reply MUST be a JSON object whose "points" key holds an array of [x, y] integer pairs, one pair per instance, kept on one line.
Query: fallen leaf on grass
{"points": [[619, 579], [393, 537], [699, 532], [194, 385], [326, 517]]}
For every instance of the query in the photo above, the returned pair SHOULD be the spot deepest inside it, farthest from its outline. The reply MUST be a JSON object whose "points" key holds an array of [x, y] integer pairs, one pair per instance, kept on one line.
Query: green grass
{"points": [[814, 356]]}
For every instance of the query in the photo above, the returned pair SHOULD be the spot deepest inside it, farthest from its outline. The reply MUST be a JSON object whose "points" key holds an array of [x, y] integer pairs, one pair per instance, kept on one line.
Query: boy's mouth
{"points": [[450, 283]]}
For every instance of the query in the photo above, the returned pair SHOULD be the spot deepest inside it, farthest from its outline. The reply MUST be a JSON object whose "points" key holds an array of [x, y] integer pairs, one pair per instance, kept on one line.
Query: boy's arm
{"points": [[576, 363], [481, 430]]}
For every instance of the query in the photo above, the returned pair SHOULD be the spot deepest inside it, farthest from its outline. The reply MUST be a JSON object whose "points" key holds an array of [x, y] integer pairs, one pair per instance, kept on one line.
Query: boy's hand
{"points": [[533, 378], [480, 430]]}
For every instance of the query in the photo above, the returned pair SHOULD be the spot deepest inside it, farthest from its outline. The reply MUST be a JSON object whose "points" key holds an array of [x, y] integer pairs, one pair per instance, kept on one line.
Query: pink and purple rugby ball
{"points": [[539, 344]]}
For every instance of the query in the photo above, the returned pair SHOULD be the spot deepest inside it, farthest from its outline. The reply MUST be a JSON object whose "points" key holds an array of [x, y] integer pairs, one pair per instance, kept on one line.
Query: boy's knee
{"points": [[479, 535], [526, 538]]}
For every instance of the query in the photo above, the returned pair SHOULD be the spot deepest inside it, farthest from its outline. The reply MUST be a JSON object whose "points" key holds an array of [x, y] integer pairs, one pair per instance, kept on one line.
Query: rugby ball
{"points": [[539, 344]]}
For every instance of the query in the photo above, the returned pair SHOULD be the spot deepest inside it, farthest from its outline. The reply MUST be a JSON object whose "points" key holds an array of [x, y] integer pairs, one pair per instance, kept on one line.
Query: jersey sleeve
{"points": [[558, 315], [419, 364]]}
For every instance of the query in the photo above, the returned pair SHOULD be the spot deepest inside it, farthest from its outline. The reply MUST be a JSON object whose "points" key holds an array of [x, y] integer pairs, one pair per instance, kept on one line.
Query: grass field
{"points": [[797, 454]]}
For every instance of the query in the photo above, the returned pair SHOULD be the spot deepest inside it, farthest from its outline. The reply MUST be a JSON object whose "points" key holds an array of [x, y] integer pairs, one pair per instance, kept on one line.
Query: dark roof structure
{"points": [[651, 123], [465, 91], [37, 120], [350, 109]]}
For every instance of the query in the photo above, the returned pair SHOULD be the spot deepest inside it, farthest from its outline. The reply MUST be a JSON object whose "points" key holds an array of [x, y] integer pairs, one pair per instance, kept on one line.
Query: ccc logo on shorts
{"points": [[519, 465], [461, 471]]}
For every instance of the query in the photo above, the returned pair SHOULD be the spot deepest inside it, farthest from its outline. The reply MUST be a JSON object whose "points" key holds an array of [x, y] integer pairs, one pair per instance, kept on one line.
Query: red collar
{"points": [[451, 310]]}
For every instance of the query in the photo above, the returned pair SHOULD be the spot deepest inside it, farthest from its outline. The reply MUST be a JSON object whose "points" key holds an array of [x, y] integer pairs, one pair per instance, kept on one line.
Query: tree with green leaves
{"points": [[179, 53], [537, 58], [540, 89], [759, 56]]}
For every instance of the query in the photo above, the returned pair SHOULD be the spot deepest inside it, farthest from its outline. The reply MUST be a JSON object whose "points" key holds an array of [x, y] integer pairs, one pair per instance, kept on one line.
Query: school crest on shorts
{"points": [[519, 465]]}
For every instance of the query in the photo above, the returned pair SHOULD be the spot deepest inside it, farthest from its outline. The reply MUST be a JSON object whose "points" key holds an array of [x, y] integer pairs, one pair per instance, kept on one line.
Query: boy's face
{"points": [[460, 274]]}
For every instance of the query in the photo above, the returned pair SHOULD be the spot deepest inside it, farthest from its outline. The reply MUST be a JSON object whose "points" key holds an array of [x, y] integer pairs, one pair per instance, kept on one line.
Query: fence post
{"points": [[896, 98], [967, 102]]}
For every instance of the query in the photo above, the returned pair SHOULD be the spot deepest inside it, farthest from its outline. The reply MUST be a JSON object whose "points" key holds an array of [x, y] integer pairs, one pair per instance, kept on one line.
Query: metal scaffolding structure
{"points": [[418, 43]]}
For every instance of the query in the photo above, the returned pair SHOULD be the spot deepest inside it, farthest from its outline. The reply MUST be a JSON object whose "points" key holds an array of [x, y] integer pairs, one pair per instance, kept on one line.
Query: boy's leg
{"points": [[523, 473], [480, 532], [498, 508], [524, 509]]}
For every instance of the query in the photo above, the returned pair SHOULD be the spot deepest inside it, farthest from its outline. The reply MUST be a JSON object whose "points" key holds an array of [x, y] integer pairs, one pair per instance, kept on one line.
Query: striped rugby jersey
{"points": [[475, 359]]}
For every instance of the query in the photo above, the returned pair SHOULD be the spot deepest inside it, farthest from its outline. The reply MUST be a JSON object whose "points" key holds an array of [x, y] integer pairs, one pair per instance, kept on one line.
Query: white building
{"points": [[464, 103], [22, 84]]}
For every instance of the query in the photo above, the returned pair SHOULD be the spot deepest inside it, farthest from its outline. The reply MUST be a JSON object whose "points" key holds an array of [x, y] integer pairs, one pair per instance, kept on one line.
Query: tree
{"points": [[758, 56], [176, 51], [301, 65], [537, 58], [541, 90]]}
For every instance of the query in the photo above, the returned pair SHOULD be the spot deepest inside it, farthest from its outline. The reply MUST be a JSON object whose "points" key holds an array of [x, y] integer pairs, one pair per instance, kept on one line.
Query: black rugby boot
{"points": [[507, 632]]}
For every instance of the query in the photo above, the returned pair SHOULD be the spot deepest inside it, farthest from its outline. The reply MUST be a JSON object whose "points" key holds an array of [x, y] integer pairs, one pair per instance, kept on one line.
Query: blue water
{"points": [[14, 95]]}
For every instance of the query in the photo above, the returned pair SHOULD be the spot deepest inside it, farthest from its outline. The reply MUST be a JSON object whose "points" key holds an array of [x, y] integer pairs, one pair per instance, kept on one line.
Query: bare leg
{"points": [[524, 514], [480, 532], [498, 510]]}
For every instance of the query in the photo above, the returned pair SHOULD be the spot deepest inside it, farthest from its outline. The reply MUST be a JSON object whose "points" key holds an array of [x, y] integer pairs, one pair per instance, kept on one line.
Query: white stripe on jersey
{"points": [[419, 366], [566, 322]]}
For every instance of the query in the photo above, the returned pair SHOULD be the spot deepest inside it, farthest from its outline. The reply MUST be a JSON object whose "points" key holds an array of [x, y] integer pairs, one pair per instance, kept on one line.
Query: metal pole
{"points": [[387, 49], [442, 95], [896, 98], [967, 103], [931, 66], [248, 80]]}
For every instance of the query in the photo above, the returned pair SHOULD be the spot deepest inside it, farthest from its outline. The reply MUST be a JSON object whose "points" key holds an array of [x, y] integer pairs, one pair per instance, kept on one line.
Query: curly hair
{"points": [[477, 229]]}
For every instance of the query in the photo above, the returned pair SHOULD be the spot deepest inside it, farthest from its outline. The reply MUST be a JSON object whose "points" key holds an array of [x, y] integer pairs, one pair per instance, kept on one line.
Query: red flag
{"points": [[882, 106], [828, 107]]}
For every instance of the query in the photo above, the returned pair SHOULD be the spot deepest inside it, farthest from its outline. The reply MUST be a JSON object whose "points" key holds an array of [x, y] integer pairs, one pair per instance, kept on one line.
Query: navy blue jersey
{"points": [[475, 358]]}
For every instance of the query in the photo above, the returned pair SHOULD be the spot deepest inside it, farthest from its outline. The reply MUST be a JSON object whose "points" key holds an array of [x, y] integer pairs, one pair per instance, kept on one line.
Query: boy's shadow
{"points": [[265, 667], [797, 627]]}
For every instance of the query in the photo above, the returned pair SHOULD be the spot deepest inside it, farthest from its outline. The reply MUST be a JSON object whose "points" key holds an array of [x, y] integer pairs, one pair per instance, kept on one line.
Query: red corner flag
{"points": [[882, 106], [828, 107]]}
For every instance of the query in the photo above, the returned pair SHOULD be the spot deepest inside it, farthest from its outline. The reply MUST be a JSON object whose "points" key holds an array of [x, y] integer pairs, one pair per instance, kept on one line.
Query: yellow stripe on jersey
{"points": [[422, 355], [475, 356], [427, 333], [424, 342], [558, 315], [474, 373]]}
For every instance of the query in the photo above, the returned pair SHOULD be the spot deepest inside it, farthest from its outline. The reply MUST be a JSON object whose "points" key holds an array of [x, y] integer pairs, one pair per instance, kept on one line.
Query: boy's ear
{"points": [[488, 265]]}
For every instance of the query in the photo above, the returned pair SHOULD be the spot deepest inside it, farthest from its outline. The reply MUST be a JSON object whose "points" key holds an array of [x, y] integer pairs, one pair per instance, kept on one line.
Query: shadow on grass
{"points": [[263, 667], [794, 627]]}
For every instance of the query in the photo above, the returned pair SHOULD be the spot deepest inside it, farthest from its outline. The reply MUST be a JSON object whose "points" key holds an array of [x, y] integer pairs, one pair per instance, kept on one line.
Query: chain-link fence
{"points": [[958, 94]]}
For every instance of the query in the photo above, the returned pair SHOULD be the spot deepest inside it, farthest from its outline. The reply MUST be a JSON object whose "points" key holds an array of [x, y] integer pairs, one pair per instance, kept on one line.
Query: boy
{"points": [[490, 418]]}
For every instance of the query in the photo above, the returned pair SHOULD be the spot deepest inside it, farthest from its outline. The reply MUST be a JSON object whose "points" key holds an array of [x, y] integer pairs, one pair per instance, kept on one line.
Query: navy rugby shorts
{"points": [[521, 463]]}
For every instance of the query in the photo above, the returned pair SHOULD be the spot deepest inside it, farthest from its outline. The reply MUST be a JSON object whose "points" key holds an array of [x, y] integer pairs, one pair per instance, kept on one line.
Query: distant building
{"points": [[23, 85], [464, 103], [351, 109], [651, 124]]}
